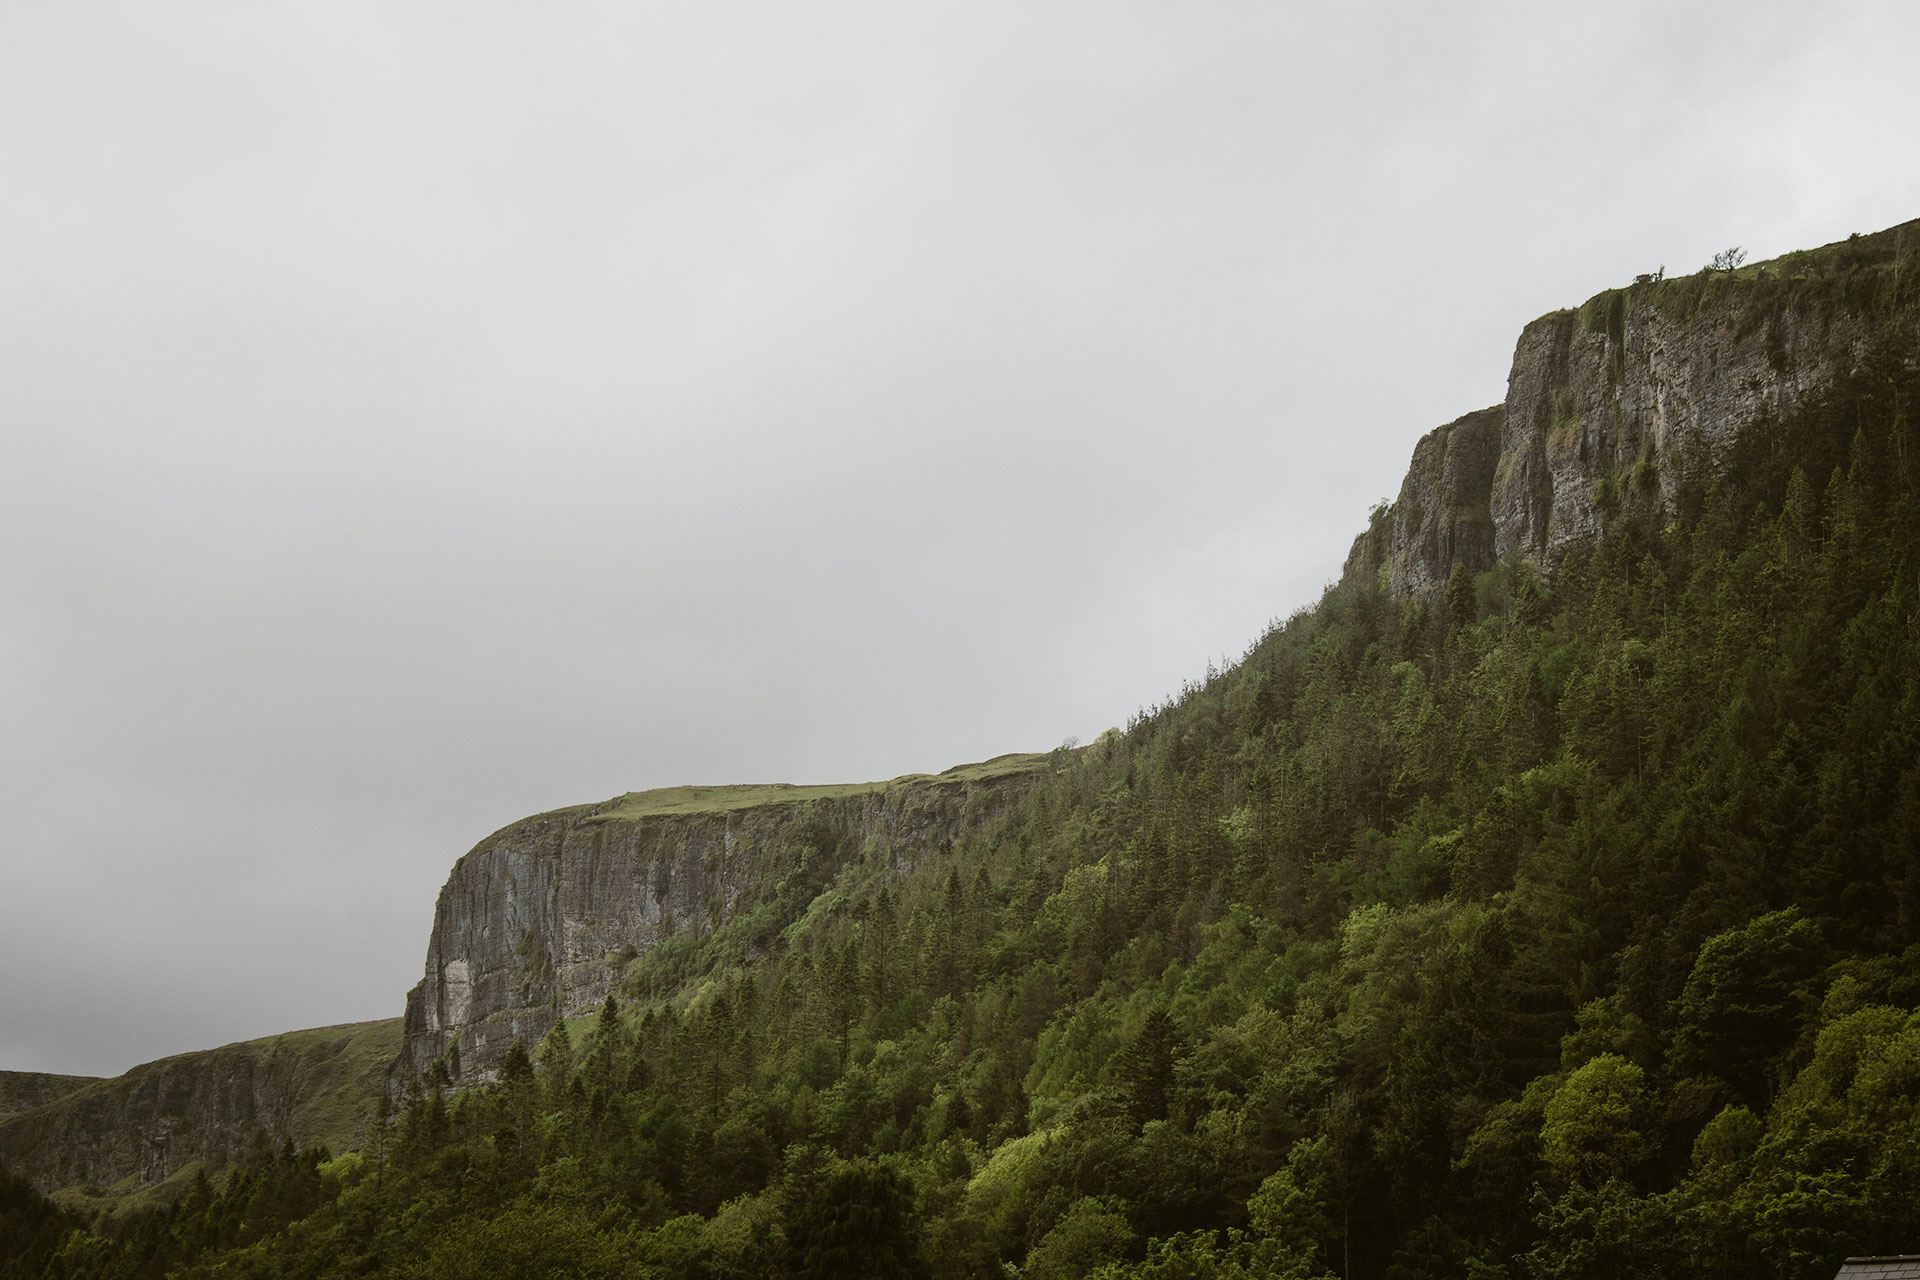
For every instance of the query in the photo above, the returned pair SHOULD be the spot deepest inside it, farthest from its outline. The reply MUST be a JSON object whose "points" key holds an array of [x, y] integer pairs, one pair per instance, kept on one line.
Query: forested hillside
{"points": [[141, 1135], [1563, 924]]}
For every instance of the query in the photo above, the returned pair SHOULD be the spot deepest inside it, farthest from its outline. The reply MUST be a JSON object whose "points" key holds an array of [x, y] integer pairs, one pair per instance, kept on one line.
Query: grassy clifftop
{"points": [[1875, 275], [720, 799]]}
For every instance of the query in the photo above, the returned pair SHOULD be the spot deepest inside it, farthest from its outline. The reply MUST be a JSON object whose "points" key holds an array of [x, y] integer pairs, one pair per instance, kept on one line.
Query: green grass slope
{"points": [[720, 799], [25, 1090], [341, 1072], [113, 1138]]}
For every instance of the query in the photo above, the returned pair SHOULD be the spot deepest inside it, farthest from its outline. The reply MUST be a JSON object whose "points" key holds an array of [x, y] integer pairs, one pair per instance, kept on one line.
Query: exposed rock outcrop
{"points": [[1441, 517], [139, 1128], [1620, 408], [541, 919]]}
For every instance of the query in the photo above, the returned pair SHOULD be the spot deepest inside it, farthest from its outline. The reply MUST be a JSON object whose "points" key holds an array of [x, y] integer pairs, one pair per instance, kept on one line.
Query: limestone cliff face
{"points": [[1441, 517], [138, 1129], [540, 921], [1619, 408]]}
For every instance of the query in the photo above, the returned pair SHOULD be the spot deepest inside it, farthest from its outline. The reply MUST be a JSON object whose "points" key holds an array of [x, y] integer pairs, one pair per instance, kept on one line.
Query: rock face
{"points": [[1618, 408], [540, 921], [140, 1128], [1441, 517]]}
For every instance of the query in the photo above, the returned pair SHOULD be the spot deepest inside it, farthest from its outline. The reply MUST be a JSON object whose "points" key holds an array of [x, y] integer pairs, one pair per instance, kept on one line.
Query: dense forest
{"points": [[1566, 925]]}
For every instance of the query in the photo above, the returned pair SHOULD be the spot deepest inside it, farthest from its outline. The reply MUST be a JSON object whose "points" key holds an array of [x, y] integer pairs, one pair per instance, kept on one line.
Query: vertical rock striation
{"points": [[1441, 517], [541, 919], [1622, 408], [137, 1129]]}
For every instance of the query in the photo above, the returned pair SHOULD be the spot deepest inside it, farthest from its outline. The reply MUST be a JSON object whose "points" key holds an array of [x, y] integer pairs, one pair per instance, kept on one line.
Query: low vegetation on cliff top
{"points": [[721, 799], [1560, 927]]}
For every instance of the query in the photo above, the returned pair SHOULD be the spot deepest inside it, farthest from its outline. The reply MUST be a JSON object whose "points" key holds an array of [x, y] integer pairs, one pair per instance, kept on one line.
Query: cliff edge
{"points": [[542, 919], [1628, 407]]}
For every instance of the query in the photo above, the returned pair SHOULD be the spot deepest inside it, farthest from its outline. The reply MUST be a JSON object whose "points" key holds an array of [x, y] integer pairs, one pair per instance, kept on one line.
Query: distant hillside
{"points": [[543, 918], [25, 1090], [121, 1134]]}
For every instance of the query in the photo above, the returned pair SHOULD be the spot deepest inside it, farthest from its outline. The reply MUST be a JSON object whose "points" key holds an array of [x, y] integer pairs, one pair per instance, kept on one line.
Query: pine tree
{"points": [[609, 1045], [859, 1223], [556, 1063], [1145, 1073]]}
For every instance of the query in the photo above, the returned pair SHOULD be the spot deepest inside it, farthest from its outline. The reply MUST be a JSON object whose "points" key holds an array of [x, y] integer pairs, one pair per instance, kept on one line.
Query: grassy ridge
{"points": [[25, 1090], [343, 1070], [330, 1079], [635, 805]]}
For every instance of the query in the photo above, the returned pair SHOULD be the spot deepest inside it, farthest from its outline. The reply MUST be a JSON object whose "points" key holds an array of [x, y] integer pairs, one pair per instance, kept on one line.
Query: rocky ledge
{"points": [[1628, 406], [542, 919], [114, 1136]]}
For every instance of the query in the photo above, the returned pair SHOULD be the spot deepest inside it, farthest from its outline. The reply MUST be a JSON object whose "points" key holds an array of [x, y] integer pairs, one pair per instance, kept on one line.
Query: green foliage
{"points": [[1145, 1072], [1293, 1207], [1728, 1139], [1206, 1255], [1565, 925], [1606, 314], [525, 1241], [329, 1077], [1749, 994], [32, 1228], [1593, 1126], [662, 800], [1091, 1234], [858, 1224]]}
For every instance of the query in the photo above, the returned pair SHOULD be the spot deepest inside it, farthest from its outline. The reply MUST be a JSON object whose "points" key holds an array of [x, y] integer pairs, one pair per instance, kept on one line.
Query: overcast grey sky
{"points": [[417, 416]]}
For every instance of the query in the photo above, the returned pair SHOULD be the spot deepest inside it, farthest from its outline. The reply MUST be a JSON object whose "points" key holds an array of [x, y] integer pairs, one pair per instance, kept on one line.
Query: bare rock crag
{"points": [[1620, 408], [541, 919]]}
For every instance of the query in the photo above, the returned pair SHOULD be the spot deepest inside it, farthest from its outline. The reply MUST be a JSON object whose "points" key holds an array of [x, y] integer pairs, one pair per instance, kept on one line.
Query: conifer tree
{"points": [[556, 1063]]}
